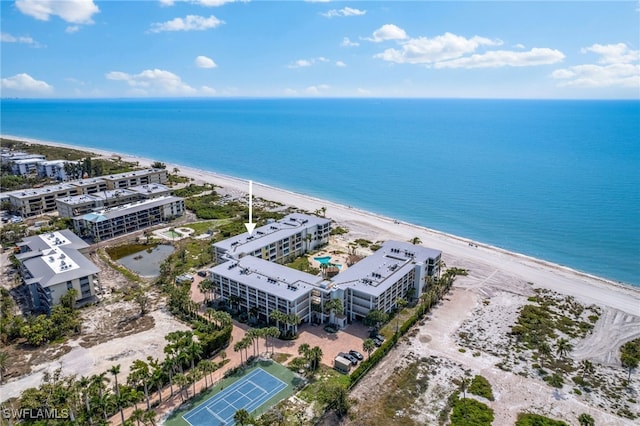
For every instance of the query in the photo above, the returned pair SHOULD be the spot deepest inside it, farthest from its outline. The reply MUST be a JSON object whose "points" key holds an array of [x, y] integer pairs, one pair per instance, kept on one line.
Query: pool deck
{"points": [[181, 232]]}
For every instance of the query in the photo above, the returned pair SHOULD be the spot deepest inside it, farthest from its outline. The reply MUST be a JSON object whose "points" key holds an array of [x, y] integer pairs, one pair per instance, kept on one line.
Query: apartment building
{"points": [[82, 204], [52, 264], [111, 222], [136, 178], [396, 270], [31, 202], [279, 241], [90, 185]]}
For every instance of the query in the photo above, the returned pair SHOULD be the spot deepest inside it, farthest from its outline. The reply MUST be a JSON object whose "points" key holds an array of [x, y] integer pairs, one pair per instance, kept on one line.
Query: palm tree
{"points": [[194, 375], [115, 370], [242, 417], [563, 347], [293, 320], [368, 346], [278, 317], [400, 304], [207, 367], [587, 368], [157, 374], [149, 418], [237, 347], [182, 382], [253, 313], [83, 384], [4, 364], [544, 350], [140, 375], [137, 415], [415, 241], [334, 307], [315, 356], [303, 350], [205, 287], [586, 420], [273, 332]]}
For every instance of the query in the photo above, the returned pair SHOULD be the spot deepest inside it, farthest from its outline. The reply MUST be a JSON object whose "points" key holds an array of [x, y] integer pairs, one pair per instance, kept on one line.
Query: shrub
{"points": [[481, 387], [470, 412], [529, 419]]}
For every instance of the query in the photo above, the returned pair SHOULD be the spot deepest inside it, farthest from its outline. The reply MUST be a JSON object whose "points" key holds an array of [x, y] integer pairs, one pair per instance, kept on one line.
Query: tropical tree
{"points": [[205, 286], [157, 375], [242, 417], [563, 347], [137, 416], [273, 332], [140, 375], [83, 385], [278, 317], [630, 355], [315, 356], [544, 350], [334, 307], [375, 318], [400, 304], [368, 346], [237, 347], [335, 396], [183, 383], [207, 367], [193, 376], [587, 368], [115, 370], [415, 240]]}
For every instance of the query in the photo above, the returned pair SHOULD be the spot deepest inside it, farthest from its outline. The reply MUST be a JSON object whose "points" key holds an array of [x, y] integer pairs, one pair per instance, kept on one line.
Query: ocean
{"points": [[554, 179]]}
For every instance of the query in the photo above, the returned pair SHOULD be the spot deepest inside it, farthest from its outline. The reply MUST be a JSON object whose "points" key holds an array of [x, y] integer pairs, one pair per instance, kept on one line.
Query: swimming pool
{"points": [[324, 260]]}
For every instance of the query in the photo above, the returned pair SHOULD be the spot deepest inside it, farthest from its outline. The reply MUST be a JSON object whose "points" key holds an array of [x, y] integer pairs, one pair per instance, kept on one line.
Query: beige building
{"points": [[112, 222], [136, 178]]}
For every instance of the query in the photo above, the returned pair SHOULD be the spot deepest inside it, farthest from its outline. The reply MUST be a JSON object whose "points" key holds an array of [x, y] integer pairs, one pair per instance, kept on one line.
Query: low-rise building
{"points": [[51, 264], [136, 178], [34, 201], [54, 169], [152, 190], [111, 222], [397, 270], [279, 241]]}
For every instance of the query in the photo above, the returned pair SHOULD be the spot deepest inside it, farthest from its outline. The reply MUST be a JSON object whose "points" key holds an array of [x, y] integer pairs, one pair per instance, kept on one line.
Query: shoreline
{"points": [[540, 272]]}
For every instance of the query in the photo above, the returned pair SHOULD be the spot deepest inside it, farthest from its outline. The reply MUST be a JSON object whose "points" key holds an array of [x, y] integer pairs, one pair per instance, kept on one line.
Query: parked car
{"points": [[202, 273], [380, 337], [377, 342], [350, 357], [356, 354]]}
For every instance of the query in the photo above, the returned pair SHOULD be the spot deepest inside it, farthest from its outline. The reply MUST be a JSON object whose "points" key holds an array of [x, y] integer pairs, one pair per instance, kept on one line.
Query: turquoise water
{"points": [[558, 180], [323, 260]]}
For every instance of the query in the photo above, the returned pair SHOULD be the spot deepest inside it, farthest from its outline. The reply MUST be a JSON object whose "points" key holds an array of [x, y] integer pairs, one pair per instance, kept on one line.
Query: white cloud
{"points": [[519, 46], [618, 65], [73, 11], [25, 83], [154, 82], [347, 11], [303, 63], [388, 32], [340, 64], [317, 90], [8, 38], [613, 53], [206, 90], [71, 29], [290, 92], [504, 58], [206, 3], [204, 62], [348, 43], [363, 92], [424, 50], [188, 23]]}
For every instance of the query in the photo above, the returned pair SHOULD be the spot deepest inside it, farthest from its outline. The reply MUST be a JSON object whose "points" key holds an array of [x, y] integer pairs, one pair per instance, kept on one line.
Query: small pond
{"points": [[146, 263]]}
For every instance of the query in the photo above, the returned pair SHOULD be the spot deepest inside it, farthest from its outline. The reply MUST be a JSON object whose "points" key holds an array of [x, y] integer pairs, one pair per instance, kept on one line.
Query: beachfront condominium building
{"points": [[396, 270], [279, 241], [136, 178], [111, 222], [254, 282], [31, 202], [81, 204], [51, 264]]}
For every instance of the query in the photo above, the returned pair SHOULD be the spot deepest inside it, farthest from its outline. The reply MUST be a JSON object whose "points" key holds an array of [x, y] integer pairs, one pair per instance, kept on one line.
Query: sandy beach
{"points": [[585, 287], [504, 278]]}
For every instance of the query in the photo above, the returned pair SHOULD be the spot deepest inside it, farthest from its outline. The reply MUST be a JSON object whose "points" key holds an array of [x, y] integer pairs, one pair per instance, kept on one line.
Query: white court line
{"points": [[217, 416], [219, 396]]}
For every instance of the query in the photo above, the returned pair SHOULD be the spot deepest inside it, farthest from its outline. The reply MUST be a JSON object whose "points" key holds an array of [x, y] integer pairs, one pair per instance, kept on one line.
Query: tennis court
{"points": [[249, 393]]}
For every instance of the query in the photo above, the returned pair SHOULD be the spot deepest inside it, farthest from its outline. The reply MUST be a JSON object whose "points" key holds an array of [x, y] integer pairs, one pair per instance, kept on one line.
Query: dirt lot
{"points": [[488, 303]]}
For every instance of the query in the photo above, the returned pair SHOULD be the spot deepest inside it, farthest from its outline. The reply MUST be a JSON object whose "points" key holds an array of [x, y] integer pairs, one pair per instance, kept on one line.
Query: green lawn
{"points": [[279, 371]]}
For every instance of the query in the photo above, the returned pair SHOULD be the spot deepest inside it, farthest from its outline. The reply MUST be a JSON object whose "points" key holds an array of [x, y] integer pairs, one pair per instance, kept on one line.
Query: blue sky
{"points": [[221, 48]]}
